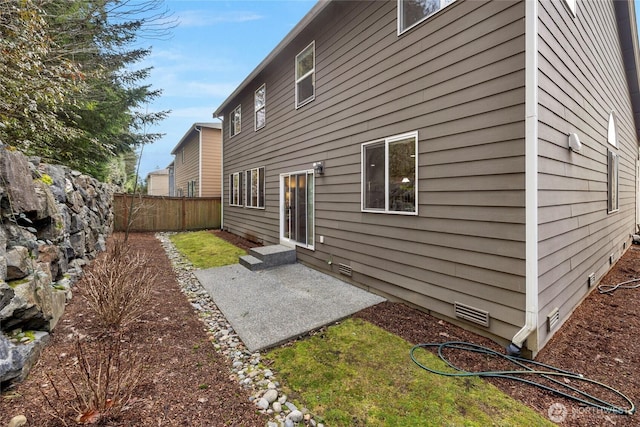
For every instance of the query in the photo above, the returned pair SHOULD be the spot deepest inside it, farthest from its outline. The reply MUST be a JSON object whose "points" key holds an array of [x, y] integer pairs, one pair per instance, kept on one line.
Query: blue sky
{"points": [[216, 45]]}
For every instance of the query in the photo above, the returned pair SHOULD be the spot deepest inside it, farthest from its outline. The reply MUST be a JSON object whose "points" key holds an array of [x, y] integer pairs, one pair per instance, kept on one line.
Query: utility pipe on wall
{"points": [[531, 179]]}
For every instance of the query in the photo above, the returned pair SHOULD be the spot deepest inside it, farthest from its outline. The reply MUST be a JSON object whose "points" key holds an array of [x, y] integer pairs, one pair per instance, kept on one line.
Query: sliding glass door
{"points": [[297, 209]]}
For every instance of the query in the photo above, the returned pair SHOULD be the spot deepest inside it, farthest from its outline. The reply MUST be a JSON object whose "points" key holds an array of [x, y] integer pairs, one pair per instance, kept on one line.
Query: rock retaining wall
{"points": [[52, 221]]}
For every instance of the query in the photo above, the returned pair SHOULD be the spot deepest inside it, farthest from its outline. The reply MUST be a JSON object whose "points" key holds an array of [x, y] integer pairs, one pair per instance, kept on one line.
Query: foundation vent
{"points": [[552, 319], [471, 314], [345, 269]]}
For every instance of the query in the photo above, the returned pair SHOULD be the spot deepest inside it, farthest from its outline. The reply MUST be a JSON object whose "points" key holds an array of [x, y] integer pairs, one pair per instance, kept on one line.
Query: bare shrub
{"points": [[103, 381], [118, 286]]}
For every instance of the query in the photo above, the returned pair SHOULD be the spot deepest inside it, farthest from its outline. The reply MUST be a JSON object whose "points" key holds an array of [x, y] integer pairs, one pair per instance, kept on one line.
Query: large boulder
{"points": [[31, 306], [6, 294], [17, 359], [16, 176], [19, 263]]}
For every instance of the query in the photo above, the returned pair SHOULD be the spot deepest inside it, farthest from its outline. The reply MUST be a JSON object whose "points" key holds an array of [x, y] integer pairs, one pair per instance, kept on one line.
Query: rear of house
{"points": [[388, 144], [197, 165]]}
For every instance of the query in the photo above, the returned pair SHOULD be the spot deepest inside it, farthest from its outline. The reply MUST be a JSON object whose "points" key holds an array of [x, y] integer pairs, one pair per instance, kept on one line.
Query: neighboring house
{"points": [[476, 159], [158, 183], [197, 165], [172, 180]]}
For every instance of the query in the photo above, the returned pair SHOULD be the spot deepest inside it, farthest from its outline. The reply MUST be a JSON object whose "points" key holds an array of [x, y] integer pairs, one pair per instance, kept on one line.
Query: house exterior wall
{"points": [[186, 165], [158, 184], [581, 80], [211, 163], [458, 80]]}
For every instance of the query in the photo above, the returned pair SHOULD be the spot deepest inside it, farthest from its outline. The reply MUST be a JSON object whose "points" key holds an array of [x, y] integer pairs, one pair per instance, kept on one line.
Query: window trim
{"points": [[264, 107], [232, 121], [386, 141], [237, 191], [261, 188], [311, 73], [415, 24]]}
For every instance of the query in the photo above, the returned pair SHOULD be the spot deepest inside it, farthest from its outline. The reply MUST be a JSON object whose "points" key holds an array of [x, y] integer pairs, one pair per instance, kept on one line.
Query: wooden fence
{"points": [[157, 213]]}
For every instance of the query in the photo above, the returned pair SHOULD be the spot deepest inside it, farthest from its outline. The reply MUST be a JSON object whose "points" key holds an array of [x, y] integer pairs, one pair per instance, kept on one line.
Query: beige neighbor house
{"points": [[158, 182], [477, 159], [197, 164]]}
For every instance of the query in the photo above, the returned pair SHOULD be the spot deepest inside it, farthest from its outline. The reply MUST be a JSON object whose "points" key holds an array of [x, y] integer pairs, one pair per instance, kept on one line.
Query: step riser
{"points": [[274, 255], [267, 257]]}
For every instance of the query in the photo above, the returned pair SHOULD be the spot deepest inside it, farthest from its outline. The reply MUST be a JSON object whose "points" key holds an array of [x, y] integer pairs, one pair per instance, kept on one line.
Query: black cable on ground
{"points": [[528, 367], [605, 289]]}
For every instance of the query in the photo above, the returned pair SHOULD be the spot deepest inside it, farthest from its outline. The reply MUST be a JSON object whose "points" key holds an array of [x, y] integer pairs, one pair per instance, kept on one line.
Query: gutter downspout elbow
{"points": [[531, 180]]}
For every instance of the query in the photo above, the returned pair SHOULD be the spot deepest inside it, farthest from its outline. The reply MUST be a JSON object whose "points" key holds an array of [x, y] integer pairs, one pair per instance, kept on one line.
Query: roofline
{"points": [[630, 46], [304, 22], [190, 131]]}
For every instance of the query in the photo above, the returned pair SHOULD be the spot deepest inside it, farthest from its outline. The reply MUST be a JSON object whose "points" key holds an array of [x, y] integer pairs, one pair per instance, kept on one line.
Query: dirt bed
{"points": [[187, 382]]}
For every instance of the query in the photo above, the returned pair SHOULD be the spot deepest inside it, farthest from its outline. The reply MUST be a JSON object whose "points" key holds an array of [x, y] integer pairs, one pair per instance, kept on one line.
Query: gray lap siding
{"points": [[457, 79]]}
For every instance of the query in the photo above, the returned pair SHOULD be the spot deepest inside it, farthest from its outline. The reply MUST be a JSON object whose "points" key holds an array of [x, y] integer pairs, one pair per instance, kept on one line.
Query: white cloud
{"points": [[199, 18]]}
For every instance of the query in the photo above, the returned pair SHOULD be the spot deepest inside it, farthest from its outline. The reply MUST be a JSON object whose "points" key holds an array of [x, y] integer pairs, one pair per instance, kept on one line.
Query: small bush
{"points": [[102, 382], [118, 286]]}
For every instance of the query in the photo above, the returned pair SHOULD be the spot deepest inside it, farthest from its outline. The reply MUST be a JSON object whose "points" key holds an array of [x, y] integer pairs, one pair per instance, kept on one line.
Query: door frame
{"points": [[288, 242]]}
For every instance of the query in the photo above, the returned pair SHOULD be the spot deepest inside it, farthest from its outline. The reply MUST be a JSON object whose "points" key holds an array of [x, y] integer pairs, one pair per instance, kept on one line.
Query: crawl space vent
{"points": [[553, 318], [472, 314], [345, 269]]}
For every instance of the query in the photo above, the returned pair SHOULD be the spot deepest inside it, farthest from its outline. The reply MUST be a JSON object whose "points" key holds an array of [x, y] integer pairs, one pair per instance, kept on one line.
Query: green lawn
{"points": [[205, 250], [356, 374]]}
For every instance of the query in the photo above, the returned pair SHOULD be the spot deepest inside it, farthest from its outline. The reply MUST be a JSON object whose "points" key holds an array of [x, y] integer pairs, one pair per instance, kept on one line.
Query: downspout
{"points": [[222, 177], [531, 179], [199, 130]]}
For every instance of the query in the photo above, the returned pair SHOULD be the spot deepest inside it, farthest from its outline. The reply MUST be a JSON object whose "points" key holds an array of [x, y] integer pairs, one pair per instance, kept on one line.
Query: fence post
{"points": [[184, 214]]}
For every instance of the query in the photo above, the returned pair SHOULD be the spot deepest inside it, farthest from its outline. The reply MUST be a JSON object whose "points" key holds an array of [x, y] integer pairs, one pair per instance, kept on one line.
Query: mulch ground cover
{"points": [[187, 383]]}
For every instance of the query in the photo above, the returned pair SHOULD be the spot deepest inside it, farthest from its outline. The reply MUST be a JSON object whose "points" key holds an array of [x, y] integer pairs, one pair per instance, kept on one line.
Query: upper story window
{"points": [[255, 188], [306, 75], [235, 124], [389, 175], [412, 12], [260, 102]]}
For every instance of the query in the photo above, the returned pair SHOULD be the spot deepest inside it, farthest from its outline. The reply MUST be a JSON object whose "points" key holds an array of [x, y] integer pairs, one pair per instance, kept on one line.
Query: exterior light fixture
{"points": [[318, 168]]}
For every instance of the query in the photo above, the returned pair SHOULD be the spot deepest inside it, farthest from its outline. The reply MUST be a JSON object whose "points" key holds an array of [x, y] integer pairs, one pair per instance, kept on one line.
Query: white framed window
{"points": [[612, 135], [413, 12], [235, 189], [260, 104], [612, 177], [390, 175], [191, 188], [235, 124], [306, 75], [254, 188]]}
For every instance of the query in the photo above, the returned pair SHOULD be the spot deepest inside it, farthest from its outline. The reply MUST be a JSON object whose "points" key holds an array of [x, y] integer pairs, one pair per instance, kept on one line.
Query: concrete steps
{"points": [[268, 256]]}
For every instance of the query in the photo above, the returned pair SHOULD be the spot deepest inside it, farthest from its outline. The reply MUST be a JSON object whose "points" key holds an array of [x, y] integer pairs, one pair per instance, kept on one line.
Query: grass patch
{"points": [[357, 374], [205, 250]]}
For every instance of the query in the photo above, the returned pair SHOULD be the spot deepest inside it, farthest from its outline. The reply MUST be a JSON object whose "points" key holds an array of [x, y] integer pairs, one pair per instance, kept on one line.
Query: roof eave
{"points": [[191, 130], [628, 35]]}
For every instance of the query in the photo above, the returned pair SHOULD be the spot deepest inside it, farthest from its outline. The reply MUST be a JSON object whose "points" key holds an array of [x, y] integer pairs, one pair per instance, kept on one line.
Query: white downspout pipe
{"points": [[531, 179]]}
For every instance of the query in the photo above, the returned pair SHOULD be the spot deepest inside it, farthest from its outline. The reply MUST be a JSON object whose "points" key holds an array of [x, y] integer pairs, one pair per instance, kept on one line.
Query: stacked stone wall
{"points": [[53, 221]]}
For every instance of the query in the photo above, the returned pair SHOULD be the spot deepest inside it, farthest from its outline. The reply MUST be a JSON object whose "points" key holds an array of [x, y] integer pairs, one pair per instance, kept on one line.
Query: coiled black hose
{"points": [[528, 367]]}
